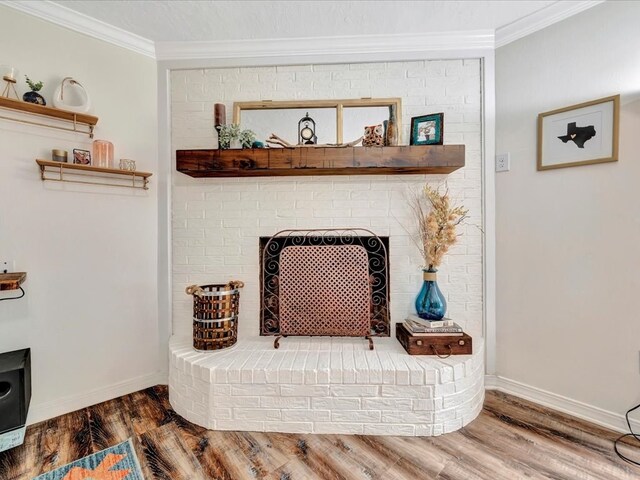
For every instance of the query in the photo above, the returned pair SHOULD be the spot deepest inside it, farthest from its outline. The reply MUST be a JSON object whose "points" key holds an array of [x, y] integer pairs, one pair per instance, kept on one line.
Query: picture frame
{"points": [[427, 129], [582, 134], [81, 157]]}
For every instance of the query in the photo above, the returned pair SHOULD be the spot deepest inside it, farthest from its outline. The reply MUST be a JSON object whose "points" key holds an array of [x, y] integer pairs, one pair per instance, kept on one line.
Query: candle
{"points": [[219, 114]]}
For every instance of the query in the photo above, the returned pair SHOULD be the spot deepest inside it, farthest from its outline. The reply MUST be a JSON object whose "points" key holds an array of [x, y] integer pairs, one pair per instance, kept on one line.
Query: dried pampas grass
{"points": [[437, 221]]}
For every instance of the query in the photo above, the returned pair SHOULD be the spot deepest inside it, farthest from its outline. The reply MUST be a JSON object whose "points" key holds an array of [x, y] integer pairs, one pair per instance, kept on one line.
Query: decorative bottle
{"points": [[391, 137], [430, 304]]}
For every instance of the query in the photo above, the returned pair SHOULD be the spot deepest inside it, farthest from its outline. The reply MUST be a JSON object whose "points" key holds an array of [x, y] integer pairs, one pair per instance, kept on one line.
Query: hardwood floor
{"points": [[511, 439]]}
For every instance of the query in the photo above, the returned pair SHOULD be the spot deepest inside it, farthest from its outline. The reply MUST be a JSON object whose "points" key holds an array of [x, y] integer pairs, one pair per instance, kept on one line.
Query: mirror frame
{"points": [[339, 105]]}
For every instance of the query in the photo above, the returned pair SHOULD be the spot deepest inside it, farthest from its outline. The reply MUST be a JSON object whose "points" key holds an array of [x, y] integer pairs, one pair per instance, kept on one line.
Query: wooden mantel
{"points": [[415, 159]]}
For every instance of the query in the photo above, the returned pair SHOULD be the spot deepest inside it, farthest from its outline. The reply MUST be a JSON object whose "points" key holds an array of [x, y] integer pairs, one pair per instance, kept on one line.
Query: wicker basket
{"points": [[215, 315]]}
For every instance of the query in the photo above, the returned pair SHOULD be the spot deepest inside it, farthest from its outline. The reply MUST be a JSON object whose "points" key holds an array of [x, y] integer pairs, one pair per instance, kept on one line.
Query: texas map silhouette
{"points": [[579, 135]]}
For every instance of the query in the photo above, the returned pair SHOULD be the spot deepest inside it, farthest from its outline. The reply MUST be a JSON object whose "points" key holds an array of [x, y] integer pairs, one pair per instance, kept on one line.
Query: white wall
{"points": [[90, 313], [217, 222], [567, 240]]}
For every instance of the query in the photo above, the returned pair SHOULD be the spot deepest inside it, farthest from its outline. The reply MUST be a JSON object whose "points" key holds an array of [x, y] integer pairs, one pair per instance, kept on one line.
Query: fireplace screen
{"points": [[324, 282]]}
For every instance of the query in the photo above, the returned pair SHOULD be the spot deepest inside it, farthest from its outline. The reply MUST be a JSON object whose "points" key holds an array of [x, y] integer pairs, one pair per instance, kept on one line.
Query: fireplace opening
{"points": [[331, 282]]}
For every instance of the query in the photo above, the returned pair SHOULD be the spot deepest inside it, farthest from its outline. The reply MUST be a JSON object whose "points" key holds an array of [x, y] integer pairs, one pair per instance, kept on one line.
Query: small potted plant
{"points": [[33, 96], [246, 138], [230, 136]]}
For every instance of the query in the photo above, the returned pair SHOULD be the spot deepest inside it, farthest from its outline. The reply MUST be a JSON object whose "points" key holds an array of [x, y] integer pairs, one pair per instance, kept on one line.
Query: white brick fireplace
{"points": [[217, 224]]}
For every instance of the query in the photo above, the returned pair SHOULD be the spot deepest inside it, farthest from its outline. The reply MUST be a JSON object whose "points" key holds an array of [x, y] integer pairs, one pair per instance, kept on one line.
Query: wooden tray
{"points": [[442, 346]]}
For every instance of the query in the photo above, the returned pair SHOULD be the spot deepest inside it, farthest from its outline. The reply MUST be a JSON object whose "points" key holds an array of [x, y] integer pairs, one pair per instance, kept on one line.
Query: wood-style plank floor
{"points": [[511, 439]]}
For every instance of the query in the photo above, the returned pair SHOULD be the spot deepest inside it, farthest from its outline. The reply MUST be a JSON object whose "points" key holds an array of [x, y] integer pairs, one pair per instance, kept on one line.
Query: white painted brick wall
{"points": [[447, 394], [217, 222]]}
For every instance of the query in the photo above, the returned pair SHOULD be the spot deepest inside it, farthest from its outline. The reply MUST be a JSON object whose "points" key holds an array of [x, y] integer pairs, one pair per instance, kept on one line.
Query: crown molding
{"points": [[543, 18], [323, 46], [78, 22], [302, 47]]}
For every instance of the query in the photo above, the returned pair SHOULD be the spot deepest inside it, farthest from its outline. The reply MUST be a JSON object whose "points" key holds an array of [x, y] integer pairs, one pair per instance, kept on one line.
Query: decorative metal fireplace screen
{"points": [[324, 282]]}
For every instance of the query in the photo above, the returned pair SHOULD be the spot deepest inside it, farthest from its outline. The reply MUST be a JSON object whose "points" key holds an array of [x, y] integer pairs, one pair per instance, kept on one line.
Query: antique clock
{"points": [[307, 131]]}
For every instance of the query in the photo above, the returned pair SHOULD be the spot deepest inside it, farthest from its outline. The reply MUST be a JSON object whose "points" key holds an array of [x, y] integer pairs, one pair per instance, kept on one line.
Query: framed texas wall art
{"points": [[579, 135]]}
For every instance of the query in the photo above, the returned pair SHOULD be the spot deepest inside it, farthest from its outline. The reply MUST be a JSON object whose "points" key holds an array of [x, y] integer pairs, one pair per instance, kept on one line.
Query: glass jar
{"points": [[102, 154]]}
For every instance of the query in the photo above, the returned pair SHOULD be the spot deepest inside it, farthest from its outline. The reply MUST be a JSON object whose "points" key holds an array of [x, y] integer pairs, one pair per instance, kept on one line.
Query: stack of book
{"points": [[420, 327]]}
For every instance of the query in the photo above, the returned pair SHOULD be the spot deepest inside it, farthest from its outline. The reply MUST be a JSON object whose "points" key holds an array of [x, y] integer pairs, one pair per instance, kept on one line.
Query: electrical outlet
{"points": [[503, 162], [7, 266]]}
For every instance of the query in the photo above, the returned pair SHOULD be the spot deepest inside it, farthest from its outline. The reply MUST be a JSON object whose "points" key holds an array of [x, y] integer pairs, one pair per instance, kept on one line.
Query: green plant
{"points": [[231, 132], [35, 87], [226, 134], [247, 137]]}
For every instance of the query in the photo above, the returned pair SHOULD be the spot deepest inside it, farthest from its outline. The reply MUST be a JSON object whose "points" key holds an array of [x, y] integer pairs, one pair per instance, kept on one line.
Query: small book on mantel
{"points": [[420, 330]]}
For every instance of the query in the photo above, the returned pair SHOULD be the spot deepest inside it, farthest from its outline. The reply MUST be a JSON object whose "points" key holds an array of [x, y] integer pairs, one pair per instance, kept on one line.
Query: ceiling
{"points": [[182, 21]]}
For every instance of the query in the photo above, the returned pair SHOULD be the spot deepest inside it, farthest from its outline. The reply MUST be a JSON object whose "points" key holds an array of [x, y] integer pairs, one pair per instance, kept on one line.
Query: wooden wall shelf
{"points": [[98, 175], [12, 281], [415, 159], [76, 119]]}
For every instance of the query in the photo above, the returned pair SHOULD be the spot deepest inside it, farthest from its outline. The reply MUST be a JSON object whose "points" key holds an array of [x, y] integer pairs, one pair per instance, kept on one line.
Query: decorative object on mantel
{"points": [[373, 136], [581, 134], [427, 129], [276, 140], [219, 115], [76, 119], [391, 132], [81, 157], [321, 161], [58, 155], [9, 75], [73, 90], [339, 105], [103, 154], [307, 131], [73, 173], [33, 96], [437, 221], [231, 137], [215, 315], [246, 138], [442, 346]]}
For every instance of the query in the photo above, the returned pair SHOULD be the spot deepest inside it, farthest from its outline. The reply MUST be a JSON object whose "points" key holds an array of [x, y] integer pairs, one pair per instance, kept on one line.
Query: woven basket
{"points": [[215, 315]]}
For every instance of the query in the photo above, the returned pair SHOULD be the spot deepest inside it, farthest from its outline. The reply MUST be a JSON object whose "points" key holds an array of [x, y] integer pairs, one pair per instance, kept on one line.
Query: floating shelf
{"points": [[12, 281], [265, 162], [125, 178], [76, 119]]}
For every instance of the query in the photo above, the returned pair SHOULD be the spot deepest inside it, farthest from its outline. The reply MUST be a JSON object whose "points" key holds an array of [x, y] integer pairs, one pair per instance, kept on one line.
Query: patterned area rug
{"points": [[114, 463]]}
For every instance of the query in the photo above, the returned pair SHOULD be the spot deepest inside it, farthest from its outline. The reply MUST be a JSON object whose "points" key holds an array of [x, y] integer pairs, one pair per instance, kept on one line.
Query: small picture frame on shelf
{"points": [[81, 157], [427, 129]]}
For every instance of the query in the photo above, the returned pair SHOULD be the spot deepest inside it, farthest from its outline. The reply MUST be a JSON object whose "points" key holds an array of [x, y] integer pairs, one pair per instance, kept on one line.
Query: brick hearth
{"points": [[325, 385]]}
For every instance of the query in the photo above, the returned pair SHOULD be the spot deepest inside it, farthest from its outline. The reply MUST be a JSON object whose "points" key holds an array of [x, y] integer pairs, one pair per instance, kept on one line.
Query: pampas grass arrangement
{"points": [[437, 222]]}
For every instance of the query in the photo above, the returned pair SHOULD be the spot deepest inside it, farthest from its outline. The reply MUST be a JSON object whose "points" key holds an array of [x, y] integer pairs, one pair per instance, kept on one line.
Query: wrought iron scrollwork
{"points": [[378, 264]]}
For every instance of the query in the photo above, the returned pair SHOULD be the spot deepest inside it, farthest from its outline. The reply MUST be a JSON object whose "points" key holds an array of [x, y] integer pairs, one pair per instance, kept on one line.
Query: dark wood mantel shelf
{"points": [[415, 159]]}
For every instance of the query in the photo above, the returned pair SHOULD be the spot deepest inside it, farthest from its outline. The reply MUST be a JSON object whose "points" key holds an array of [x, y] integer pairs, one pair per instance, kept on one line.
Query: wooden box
{"points": [[442, 346]]}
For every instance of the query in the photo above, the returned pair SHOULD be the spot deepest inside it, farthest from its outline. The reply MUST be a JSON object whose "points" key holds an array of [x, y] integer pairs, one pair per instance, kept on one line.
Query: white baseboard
{"points": [[44, 411], [599, 416]]}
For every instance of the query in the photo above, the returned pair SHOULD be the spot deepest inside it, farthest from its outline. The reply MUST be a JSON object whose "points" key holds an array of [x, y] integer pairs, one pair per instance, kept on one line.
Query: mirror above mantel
{"points": [[336, 121]]}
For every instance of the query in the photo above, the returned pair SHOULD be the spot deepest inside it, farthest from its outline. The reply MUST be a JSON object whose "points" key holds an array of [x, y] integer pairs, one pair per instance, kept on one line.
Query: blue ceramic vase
{"points": [[430, 304]]}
